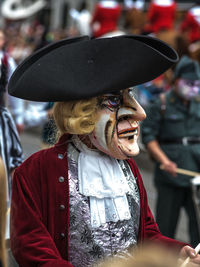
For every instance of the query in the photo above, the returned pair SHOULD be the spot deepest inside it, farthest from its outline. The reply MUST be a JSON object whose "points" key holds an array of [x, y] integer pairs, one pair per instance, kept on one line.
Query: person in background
{"points": [[171, 135], [3, 201], [105, 18], [82, 18], [138, 4], [150, 91], [160, 16], [135, 17], [190, 26], [10, 146], [14, 104]]}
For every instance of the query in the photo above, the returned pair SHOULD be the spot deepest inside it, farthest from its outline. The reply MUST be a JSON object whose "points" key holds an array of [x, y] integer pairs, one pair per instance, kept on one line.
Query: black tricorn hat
{"points": [[79, 68]]}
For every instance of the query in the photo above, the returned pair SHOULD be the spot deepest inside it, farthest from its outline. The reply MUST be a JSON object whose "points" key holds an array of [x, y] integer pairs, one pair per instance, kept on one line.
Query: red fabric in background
{"points": [[107, 19], [191, 26], [161, 17]]}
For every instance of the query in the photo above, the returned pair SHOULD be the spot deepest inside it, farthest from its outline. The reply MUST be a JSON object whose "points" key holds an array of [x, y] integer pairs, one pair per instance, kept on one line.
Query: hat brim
{"points": [[80, 68]]}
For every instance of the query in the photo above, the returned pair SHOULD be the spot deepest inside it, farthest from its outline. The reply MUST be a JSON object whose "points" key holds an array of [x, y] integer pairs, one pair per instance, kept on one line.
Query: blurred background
{"points": [[28, 25]]}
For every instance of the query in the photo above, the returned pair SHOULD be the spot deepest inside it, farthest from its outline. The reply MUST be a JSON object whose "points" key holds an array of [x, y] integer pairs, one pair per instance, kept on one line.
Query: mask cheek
{"points": [[110, 148], [98, 139], [130, 150], [113, 144]]}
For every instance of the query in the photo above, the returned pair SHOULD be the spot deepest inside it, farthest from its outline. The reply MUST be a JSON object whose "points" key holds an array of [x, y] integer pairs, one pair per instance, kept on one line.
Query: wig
{"points": [[75, 117], [2, 213]]}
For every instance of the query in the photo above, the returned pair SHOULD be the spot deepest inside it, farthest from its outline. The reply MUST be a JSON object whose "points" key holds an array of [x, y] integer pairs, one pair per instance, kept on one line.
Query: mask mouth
{"points": [[128, 133], [127, 127]]}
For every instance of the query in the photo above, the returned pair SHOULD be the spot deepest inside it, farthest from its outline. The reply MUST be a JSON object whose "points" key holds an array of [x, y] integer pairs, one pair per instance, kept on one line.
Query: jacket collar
{"points": [[61, 145]]}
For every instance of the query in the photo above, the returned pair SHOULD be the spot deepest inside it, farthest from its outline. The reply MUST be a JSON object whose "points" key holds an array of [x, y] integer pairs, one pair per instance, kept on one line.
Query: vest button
{"points": [[60, 156], [62, 207], [61, 179], [62, 235]]}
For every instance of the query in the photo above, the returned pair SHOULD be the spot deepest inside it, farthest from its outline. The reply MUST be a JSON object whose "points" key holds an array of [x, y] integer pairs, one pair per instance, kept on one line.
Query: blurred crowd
{"points": [[161, 19]]}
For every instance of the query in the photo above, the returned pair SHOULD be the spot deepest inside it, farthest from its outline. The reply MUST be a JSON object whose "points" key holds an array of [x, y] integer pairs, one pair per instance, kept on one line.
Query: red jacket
{"points": [[161, 17], [39, 228], [107, 18], [192, 26]]}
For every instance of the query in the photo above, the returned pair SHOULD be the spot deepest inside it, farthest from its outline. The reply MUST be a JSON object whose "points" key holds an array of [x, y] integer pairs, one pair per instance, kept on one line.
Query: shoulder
{"points": [[35, 160], [45, 159], [52, 154]]}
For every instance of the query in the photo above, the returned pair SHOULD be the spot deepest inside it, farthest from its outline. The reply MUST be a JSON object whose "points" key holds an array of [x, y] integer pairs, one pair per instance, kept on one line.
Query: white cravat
{"points": [[102, 180]]}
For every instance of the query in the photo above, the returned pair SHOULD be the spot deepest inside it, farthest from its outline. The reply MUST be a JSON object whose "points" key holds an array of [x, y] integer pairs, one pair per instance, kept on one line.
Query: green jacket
{"points": [[176, 122]]}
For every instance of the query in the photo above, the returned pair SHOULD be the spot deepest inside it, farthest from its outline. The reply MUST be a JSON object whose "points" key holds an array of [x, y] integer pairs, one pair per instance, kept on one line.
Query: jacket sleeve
{"points": [[31, 242]]}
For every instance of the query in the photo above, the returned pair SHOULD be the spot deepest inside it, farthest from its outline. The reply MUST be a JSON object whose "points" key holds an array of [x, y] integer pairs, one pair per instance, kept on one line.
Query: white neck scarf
{"points": [[102, 180]]}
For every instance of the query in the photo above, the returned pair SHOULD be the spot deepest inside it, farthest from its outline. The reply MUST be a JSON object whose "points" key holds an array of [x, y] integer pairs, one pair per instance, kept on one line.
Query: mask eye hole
{"points": [[114, 101]]}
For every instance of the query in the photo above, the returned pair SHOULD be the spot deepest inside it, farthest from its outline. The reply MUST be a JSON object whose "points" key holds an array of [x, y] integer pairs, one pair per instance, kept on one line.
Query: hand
{"points": [[170, 167], [187, 251]]}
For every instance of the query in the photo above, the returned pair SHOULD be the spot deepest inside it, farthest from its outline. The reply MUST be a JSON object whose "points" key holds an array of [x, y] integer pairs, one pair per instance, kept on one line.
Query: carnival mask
{"points": [[117, 128], [188, 89]]}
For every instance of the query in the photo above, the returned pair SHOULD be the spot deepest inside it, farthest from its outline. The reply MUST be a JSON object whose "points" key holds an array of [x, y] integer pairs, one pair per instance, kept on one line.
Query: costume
{"points": [[161, 15], [170, 127], [106, 16], [49, 215], [191, 24], [81, 20], [84, 198], [14, 104], [10, 146]]}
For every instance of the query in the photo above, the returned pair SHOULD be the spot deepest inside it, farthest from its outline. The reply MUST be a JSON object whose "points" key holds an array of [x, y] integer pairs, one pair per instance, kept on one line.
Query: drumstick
{"points": [[197, 249], [183, 171], [187, 172]]}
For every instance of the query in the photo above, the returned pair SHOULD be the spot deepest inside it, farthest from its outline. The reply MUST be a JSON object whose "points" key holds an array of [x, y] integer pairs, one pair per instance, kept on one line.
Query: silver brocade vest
{"points": [[87, 246]]}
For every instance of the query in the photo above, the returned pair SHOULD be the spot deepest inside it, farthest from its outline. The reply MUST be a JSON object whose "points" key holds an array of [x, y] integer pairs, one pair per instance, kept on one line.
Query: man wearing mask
{"points": [[83, 199], [171, 135]]}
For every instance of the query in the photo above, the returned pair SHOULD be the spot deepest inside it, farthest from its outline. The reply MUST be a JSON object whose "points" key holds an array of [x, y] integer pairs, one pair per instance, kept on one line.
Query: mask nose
{"points": [[130, 103]]}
